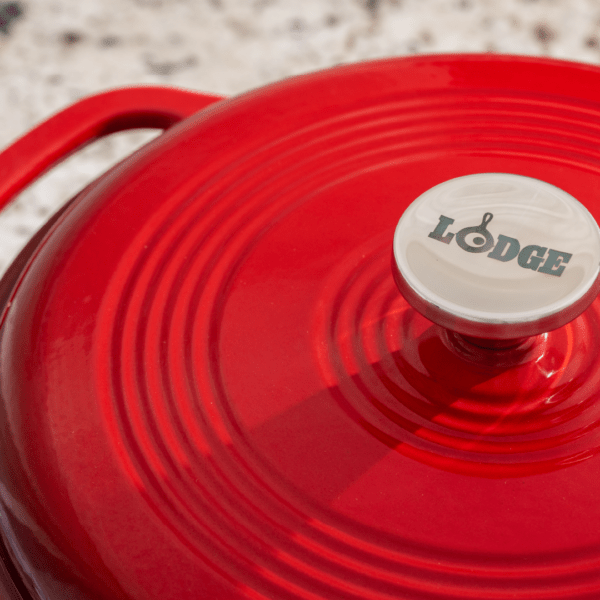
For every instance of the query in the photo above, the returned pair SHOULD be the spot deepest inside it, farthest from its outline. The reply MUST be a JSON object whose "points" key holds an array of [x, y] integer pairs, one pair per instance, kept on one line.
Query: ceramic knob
{"points": [[497, 256]]}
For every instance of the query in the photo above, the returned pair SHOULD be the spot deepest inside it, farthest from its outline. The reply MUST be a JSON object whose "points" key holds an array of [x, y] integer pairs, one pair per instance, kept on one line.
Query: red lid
{"points": [[212, 388]]}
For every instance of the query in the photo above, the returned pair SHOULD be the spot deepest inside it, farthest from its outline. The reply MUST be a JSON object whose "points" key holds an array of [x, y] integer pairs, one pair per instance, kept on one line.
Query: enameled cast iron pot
{"points": [[211, 386]]}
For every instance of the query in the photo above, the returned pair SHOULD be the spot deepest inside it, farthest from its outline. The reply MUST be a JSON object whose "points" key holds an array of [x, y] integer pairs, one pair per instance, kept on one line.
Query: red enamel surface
{"points": [[211, 387]]}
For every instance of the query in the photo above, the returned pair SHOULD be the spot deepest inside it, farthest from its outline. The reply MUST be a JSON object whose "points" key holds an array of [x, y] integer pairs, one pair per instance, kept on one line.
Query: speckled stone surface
{"points": [[53, 52]]}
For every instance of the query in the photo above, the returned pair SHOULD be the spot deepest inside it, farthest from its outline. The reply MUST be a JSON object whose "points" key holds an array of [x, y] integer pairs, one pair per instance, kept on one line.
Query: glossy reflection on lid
{"points": [[497, 248]]}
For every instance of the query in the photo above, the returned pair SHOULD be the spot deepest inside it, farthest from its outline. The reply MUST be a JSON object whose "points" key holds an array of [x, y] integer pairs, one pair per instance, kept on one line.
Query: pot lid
{"points": [[212, 387]]}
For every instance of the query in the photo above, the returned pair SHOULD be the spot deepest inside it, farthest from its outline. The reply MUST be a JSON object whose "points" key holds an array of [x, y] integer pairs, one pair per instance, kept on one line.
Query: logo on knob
{"points": [[477, 239], [474, 236]]}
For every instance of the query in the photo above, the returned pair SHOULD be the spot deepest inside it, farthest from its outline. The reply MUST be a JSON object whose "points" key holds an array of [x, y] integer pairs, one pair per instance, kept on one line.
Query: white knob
{"points": [[497, 256]]}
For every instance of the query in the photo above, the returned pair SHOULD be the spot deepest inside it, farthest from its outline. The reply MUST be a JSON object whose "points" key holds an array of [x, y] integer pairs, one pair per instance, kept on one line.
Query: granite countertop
{"points": [[53, 52]]}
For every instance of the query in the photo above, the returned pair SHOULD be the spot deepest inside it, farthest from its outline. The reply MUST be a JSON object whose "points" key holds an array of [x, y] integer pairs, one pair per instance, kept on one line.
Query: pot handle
{"points": [[88, 120]]}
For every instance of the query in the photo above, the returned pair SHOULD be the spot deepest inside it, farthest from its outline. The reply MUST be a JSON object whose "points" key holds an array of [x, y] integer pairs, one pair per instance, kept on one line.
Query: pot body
{"points": [[211, 388]]}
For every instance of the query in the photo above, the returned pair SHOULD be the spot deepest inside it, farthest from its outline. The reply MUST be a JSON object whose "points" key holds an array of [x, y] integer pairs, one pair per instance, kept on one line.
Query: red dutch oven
{"points": [[336, 338]]}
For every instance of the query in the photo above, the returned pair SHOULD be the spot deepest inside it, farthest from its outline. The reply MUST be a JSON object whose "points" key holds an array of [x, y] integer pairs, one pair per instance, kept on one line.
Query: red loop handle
{"points": [[88, 120]]}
